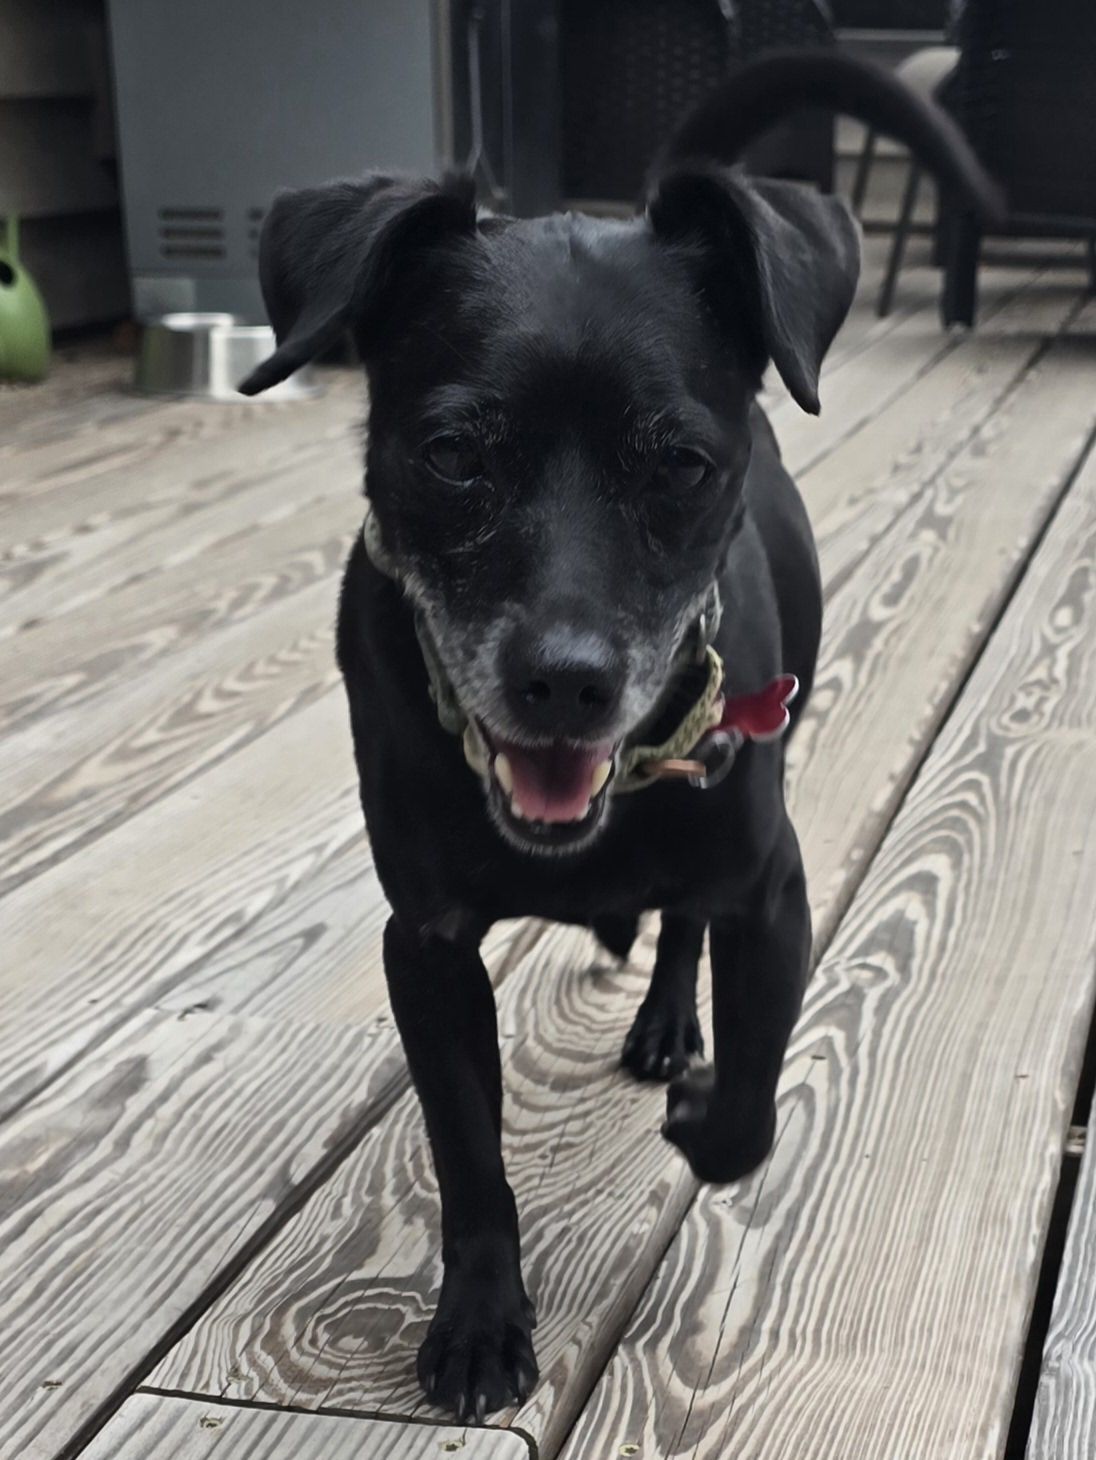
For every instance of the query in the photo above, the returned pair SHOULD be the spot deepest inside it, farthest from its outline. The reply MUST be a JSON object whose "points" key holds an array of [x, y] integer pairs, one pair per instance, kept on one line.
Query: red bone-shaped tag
{"points": [[762, 715]]}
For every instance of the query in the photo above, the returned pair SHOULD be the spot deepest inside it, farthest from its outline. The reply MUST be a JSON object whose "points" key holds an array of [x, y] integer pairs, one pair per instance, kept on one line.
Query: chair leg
{"points": [[863, 171], [1092, 263], [901, 234], [960, 300]]}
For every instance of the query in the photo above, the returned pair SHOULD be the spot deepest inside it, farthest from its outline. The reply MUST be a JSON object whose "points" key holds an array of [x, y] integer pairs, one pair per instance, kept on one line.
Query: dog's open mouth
{"points": [[550, 795]]}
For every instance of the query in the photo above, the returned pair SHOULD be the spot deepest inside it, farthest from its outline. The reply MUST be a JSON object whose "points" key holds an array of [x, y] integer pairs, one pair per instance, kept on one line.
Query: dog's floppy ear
{"points": [[778, 263], [327, 254]]}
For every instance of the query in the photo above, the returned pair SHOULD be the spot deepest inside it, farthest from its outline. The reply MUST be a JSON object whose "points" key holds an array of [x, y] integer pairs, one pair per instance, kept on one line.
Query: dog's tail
{"points": [[765, 91]]}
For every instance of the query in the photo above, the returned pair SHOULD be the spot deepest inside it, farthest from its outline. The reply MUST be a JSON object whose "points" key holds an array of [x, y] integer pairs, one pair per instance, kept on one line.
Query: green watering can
{"points": [[24, 323]]}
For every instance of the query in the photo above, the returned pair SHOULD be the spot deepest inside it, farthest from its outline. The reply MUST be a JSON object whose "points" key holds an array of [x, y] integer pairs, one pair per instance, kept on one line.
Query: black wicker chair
{"points": [[802, 147], [632, 68], [1024, 94], [928, 15]]}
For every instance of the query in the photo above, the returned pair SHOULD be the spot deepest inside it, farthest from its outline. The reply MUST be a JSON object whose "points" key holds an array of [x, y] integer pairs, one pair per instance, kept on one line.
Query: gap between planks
{"points": [[164, 1427], [1064, 1419]]}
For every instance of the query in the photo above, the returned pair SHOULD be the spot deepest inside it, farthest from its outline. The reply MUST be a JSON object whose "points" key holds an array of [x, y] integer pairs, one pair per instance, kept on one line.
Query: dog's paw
{"points": [[661, 1042], [717, 1148], [479, 1358]]}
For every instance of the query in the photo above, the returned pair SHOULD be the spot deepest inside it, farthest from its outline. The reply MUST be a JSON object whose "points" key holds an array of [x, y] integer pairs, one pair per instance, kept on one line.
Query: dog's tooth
{"points": [[504, 773], [473, 749], [515, 809], [602, 772]]}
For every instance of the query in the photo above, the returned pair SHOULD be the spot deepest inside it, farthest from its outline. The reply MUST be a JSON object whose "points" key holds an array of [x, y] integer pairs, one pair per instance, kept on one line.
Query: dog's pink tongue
{"points": [[554, 782]]}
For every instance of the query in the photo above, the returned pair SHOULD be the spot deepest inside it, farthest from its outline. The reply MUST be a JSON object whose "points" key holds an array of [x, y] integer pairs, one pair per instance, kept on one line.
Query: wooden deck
{"points": [[216, 1204]]}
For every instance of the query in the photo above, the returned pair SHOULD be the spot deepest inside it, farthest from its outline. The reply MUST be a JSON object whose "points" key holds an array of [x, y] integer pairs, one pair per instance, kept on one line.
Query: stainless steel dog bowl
{"points": [[207, 355]]}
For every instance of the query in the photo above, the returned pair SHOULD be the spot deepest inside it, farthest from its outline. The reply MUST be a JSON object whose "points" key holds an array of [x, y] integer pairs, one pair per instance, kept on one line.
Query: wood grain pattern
{"points": [[219, 1119], [176, 451], [88, 391], [99, 648], [1064, 1423], [162, 1427], [187, 1098], [110, 928], [863, 326], [868, 1290], [74, 546], [72, 777], [242, 859], [86, 418], [903, 628], [877, 377], [332, 1312], [316, 953], [69, 399], [858, 490]]}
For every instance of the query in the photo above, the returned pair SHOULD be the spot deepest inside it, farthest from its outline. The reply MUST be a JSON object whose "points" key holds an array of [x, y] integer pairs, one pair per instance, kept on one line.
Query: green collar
{"points": [[630, 774]]}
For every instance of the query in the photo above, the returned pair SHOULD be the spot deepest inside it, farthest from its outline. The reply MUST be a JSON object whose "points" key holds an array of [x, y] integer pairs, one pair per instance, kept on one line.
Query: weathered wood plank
{"points": [[65, 475], [136, 1176], [316, 954], [89, 390], [332, 1311], [867, 1292], [1063, 1426], [879, 377], [342, 1332], [88, 403], [81, 378], [75, 544], [100, 647], [162, 1427], [110, 928], [22, 748], [904, 626], [857, 491], [215, 1095], [84, 770], [863, 327]]}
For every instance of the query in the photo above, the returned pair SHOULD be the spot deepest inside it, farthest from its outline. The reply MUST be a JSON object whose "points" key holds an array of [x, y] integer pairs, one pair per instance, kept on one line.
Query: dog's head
{"points": [[558, 433]]}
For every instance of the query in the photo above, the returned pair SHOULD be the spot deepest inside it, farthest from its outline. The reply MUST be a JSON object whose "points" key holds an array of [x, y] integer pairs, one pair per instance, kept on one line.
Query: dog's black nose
{"points": [[562, 682]]}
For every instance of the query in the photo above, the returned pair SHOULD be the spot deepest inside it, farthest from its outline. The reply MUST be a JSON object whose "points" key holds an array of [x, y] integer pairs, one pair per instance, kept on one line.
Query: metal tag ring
{"points": [[717, 753]]}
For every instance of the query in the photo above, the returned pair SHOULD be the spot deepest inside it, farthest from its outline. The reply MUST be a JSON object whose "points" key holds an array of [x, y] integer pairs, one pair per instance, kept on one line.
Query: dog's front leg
{"points": [[723, 1117], [478, 1354]]}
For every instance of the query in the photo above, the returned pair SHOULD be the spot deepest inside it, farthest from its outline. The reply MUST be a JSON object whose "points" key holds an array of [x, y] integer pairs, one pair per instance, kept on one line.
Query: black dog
{"points": [[586, 581]]}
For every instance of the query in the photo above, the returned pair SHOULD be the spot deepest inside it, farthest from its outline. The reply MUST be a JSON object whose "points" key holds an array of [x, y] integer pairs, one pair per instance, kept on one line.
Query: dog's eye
{"points": [[684, 468], [454, 459]]}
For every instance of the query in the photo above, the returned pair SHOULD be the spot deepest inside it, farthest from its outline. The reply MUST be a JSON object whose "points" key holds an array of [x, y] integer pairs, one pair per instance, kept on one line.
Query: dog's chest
{"points": [[674, 850]]}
